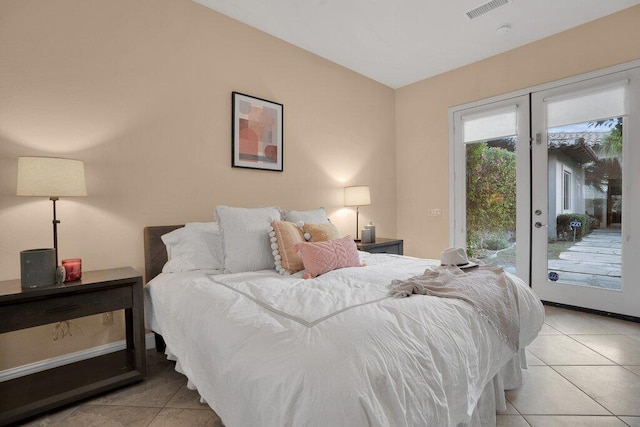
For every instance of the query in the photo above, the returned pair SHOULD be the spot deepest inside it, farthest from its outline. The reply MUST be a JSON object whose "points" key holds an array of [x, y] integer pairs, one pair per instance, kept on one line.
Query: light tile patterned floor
{"points": [[584, 370], [163, 399]]}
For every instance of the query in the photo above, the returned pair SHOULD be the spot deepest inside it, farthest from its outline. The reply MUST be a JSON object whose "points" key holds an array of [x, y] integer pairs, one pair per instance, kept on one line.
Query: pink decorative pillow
{"points": [[322, 257]]}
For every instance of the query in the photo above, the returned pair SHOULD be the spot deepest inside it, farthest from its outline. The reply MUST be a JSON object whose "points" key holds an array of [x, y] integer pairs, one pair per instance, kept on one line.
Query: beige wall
{"points": [[141, 91], [422, 140]]}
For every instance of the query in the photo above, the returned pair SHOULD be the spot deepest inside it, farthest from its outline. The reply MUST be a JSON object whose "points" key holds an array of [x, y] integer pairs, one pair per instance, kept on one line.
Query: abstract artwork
{"points": [[257, 133]]}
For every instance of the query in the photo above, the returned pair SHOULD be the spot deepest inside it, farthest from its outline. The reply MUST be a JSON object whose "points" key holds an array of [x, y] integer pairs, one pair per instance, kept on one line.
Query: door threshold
{"points": [[592, 311]]}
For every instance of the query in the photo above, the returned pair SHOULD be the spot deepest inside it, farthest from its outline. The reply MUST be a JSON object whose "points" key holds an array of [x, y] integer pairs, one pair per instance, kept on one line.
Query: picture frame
{"points": [[257, 133]]}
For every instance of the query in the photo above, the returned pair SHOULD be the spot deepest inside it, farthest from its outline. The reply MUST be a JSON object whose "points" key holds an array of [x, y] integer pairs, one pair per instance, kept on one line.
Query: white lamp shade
{"points": [[357, 196], [50, 177]]}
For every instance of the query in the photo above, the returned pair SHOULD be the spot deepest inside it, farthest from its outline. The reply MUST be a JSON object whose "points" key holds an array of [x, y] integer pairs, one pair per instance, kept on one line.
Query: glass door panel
{"points": [[585, 207], [491, 202]]}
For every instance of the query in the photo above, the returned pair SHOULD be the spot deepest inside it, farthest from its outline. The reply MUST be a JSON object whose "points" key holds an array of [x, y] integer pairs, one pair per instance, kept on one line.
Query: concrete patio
{"points": [[594, 261]]}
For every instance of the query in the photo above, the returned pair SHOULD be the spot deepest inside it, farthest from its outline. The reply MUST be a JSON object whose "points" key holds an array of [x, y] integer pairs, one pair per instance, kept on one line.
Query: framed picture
{"points": [[257, 127]]}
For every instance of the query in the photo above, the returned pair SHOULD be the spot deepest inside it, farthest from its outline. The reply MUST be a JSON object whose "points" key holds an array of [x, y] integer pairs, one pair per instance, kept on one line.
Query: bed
{"points": [[265, 349]]}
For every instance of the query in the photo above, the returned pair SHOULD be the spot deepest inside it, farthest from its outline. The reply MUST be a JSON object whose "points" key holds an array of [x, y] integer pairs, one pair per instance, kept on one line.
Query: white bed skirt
{"points": [[492, 399]]}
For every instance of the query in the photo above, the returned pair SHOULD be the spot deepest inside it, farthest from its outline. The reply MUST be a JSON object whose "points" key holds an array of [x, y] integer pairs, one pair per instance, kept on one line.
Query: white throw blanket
{"points": [[486, 288]]}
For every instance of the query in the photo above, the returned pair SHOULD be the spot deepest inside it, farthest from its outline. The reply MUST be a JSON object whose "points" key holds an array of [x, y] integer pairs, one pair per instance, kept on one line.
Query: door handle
{"points": [[539, 225]]}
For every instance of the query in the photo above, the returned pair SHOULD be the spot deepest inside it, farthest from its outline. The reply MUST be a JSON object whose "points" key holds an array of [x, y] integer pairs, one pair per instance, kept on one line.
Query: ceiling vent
{"points": [[486, 8]]}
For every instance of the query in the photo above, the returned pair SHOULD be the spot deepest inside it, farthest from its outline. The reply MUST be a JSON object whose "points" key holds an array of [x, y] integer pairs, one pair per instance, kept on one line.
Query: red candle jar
{"points": [[72, 268]]}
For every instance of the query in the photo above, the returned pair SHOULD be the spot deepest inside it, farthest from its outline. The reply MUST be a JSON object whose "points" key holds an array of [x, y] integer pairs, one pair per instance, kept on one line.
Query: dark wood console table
{"points": [[98, 292], [383, 246]]}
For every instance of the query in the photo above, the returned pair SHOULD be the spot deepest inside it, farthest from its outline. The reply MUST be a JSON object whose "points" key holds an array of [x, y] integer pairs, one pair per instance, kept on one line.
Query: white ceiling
{"points": [[398, 42]]}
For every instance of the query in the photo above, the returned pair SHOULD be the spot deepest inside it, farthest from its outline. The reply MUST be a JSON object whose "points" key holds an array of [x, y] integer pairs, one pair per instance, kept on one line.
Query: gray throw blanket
{"points": [[486, 288]]}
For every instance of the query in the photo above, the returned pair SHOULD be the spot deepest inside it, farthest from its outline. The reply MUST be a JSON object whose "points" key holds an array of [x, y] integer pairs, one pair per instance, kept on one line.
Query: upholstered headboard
{"points": [[155, 254]]}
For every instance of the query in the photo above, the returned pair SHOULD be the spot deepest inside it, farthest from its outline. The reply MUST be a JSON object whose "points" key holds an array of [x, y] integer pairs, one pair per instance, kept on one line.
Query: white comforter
{"points": [[268, 350]]}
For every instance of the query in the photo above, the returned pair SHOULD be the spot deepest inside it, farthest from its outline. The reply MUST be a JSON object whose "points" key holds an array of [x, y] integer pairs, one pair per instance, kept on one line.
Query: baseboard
{"points": [[65, 359]]}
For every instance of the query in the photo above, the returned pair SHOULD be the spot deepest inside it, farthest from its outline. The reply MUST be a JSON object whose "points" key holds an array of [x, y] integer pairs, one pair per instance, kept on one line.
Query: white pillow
{"points": [[193, 247], [213, 237], [245, 236], [315, 216]]}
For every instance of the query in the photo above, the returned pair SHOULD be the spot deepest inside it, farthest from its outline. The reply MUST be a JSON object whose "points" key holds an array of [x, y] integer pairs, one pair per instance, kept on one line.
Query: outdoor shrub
{"points": [[563, 221], [496, 243], [491, 193], [472, 243]]}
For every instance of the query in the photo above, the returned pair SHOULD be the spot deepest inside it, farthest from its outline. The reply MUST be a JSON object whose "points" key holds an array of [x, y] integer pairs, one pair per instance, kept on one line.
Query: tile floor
{"points": [[163, 399], [584, 370]]}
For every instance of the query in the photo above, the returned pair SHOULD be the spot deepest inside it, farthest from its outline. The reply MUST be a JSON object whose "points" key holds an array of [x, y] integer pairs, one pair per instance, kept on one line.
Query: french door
{"points": [[585, 192], [491, 164], [564, 220]]}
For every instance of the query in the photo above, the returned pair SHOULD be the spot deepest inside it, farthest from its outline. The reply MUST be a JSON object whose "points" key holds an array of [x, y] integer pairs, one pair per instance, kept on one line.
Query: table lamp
{"points": [[357, 196], [51, 177]]}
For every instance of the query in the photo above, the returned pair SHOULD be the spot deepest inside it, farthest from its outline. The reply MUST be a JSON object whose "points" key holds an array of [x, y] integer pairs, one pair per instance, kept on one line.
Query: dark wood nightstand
{"points": [[382, 246], [98, 292]]}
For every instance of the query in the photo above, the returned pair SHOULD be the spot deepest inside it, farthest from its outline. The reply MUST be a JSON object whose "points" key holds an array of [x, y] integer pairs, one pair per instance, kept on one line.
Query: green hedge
{"points": [[491, 196], [496, 242], [563, 221]]}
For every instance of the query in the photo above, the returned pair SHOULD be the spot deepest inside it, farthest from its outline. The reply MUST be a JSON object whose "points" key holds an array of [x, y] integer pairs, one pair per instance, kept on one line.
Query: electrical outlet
{"points": [[433, 212], [107, 318]]}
